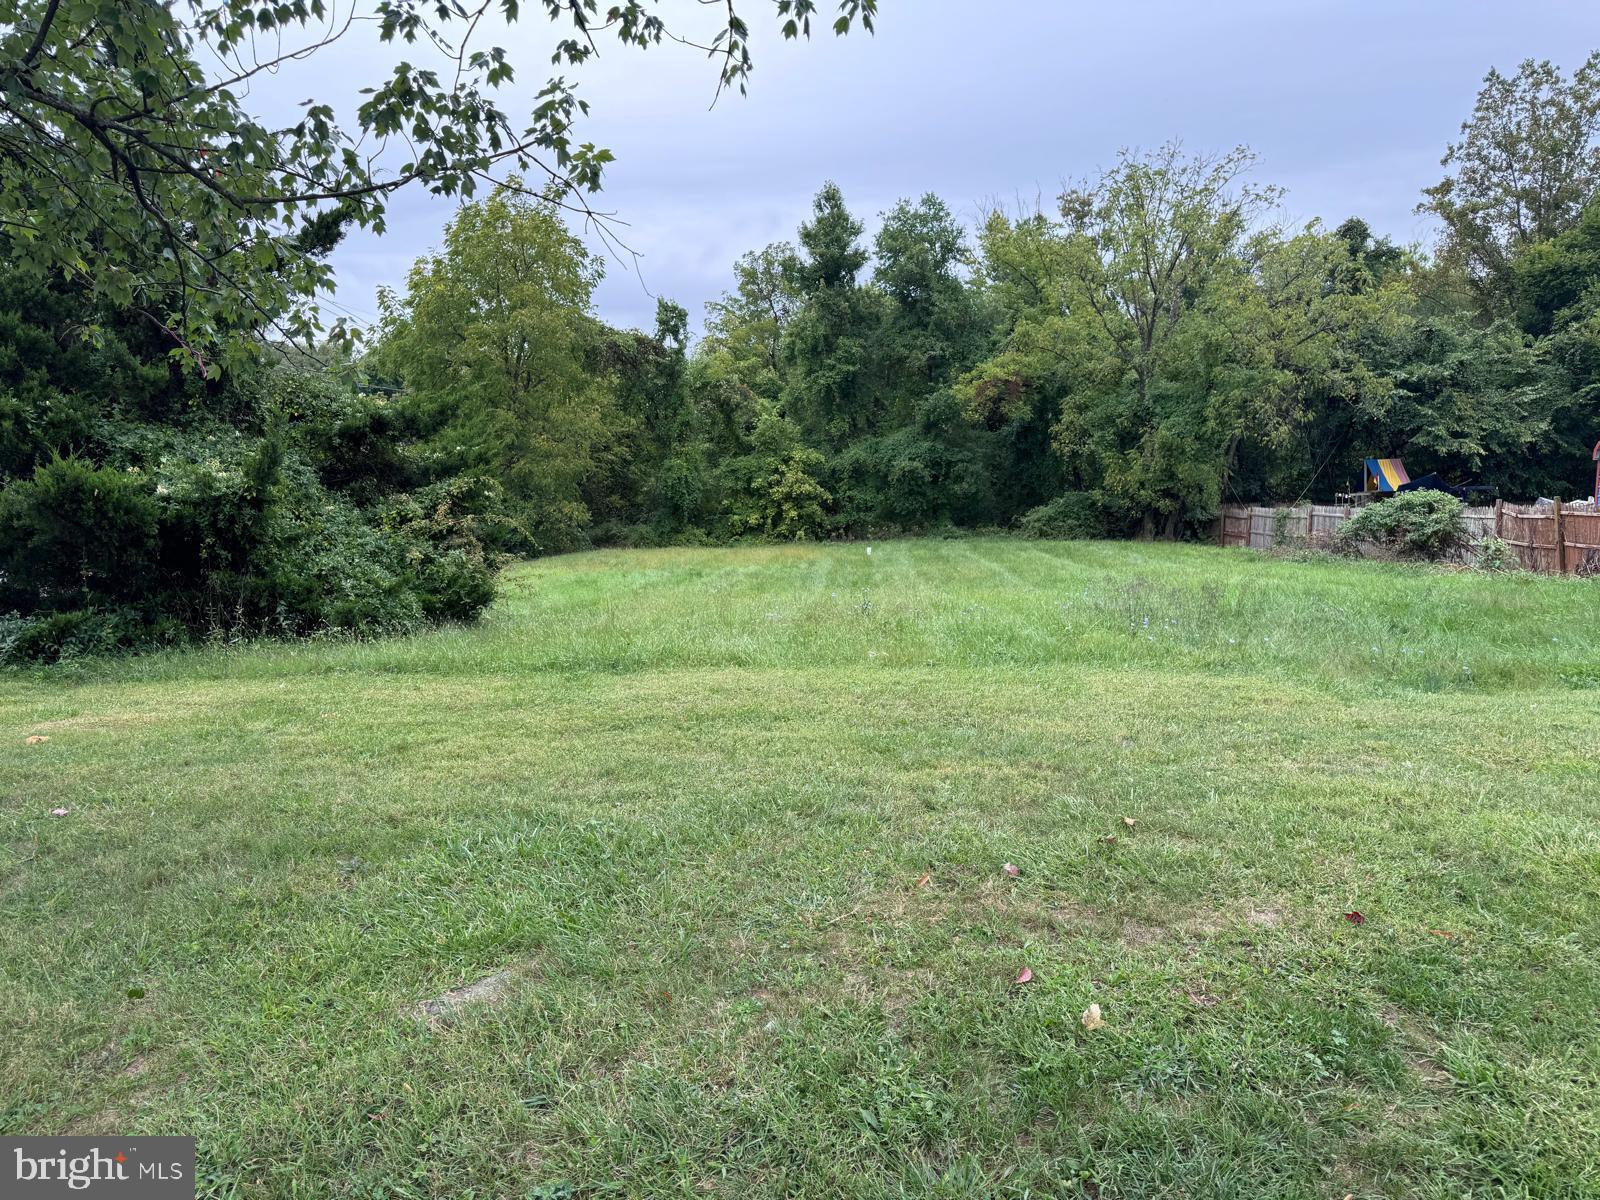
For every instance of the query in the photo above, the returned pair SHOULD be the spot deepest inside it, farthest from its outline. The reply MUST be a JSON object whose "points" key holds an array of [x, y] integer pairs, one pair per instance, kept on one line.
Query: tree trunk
{"points": [[1170, 532]]}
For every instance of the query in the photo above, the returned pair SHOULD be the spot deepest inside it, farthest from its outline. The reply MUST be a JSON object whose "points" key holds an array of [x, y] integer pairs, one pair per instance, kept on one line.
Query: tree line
{"points": [[1150, 346], [1156, 344]]}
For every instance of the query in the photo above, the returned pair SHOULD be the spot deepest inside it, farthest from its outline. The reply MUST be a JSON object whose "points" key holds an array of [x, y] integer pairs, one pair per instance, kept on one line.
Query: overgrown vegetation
{"points": [[146, 505], [1423, 524], [1158, 344]]}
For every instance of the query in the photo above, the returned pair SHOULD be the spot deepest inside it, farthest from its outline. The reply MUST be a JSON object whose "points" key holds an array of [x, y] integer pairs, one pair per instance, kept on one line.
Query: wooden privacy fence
{"points": [[1558, 539], [1553, 538]]}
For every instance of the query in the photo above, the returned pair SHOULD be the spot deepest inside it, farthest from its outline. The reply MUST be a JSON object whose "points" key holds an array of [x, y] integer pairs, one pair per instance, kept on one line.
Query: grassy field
{"points": [[723, 833]]}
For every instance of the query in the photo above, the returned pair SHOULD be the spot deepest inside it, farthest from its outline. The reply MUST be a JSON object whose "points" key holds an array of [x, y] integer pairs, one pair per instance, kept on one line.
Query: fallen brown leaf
{"points": [[1012, 870], [1355, 918], [59, 812], [1110, 839], [1445, 933], [925, 880], [1025, 975], [1092, 1019], [1130, 822], [33, 739]]}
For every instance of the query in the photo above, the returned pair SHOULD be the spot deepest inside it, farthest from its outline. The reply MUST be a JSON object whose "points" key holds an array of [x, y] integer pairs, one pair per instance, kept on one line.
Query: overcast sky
{"points": [[1349, 104]]}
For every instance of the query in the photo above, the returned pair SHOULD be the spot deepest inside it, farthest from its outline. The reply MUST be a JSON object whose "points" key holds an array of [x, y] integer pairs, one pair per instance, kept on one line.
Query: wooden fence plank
{"points": [[1580, 529]]}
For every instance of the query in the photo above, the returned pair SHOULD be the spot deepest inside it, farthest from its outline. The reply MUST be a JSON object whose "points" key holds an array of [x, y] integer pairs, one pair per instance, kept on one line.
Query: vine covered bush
{"points": [[159, 508], [1424, 524]]}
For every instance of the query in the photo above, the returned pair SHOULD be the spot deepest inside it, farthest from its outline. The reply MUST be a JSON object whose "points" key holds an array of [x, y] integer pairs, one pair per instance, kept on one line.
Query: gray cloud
{"points": [[1350, 106]]}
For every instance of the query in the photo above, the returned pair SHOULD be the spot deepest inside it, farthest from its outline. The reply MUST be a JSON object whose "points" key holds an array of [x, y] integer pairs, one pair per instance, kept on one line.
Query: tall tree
{"points": [[933, 327], [1016, 392], [828, 385], [491, 342], [1527, 164], [1557, 298], [752, 319], [650, 471], [924, 463], [1175, 342], [1148, 242]]}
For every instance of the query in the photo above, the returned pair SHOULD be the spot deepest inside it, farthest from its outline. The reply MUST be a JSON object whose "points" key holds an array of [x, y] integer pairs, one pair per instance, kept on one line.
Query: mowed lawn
{"points": [[724, 831]]}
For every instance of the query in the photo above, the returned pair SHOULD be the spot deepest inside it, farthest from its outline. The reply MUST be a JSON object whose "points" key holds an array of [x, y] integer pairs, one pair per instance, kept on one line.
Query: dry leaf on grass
{"points": [[1025, 975], [59, 812], [1130, 822], [1444, 933], [1355, 918], [1092, 1019], [925, 880], [33, 739], [1012, 870]]}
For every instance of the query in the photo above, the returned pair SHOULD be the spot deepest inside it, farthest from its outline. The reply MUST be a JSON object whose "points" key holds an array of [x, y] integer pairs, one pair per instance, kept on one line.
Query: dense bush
{"points": [[157, 507], [1424, 524], [1074, 515], [772, 490], [97, 558], [920, 477]]}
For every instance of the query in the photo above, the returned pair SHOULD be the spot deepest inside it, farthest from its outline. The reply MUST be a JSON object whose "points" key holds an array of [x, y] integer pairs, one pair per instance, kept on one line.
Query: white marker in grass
{"points": [[869, 551]]}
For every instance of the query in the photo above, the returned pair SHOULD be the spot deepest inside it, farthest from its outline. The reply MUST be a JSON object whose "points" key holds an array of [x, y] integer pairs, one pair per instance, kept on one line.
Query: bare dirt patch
{"points": [[1417, 1045], [480, 993], [137, 1066]]}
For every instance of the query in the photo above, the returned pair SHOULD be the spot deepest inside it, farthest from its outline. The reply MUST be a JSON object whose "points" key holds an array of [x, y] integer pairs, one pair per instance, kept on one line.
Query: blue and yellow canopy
{"points": [[1385, 475]]}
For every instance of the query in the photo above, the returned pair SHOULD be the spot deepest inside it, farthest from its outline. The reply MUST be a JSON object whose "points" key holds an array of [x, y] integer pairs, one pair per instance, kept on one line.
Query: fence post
{"points": [[1561, 540], [1497, 505]]}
